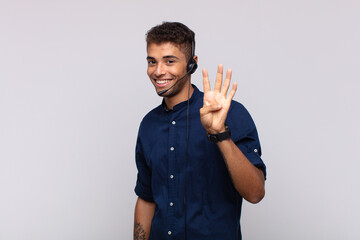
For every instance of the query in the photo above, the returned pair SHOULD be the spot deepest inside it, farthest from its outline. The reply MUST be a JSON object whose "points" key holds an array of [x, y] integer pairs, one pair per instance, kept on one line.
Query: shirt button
{"points": [[172, 148], [169, 232], [173, 122], [171, 204], [171, 176], [255, 150]]}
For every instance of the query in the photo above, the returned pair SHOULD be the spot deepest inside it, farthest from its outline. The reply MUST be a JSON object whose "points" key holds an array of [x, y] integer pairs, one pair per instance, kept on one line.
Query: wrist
{"points": [[223, 134], [216, 131]]}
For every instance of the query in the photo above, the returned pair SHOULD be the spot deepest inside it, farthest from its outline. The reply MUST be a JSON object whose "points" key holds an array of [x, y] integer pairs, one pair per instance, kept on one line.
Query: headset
{"points": [[190, 69]]}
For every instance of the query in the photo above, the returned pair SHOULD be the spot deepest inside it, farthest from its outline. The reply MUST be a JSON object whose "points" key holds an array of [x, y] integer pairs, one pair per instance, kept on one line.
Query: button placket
{"points": [[171, 170]]}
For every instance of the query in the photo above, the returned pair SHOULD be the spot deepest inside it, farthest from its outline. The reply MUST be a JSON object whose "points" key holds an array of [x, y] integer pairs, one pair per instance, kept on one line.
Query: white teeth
{"points": [[162, 81]]}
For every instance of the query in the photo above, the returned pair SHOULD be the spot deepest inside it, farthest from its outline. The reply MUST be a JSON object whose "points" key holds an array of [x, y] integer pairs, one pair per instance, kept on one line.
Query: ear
{"points": [[196, 58]]}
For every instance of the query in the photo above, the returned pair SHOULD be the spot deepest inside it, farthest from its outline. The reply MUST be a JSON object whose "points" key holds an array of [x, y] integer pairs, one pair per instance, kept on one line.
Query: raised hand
{"points": [[216, 103]]}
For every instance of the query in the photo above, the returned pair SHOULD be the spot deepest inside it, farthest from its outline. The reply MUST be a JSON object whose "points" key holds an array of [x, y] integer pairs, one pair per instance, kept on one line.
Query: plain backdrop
{"points": [[73, 90]]}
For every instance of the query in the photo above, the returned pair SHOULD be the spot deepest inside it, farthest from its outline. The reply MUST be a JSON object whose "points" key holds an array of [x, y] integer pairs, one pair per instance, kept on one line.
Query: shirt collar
{"points": [[182, 104]]}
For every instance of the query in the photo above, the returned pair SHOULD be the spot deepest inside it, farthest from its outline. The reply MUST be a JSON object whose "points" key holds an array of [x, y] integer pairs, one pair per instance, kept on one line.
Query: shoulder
{"points": [[239, 118], [238, 110], [153, 113], [151, 116]]}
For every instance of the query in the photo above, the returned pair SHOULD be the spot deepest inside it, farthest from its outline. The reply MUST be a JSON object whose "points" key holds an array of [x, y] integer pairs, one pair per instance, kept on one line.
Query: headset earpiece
{"points": [[191, 66]]}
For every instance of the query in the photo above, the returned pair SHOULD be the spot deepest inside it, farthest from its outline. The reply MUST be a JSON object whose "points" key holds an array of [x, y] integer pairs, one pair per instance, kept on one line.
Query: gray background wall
{"points": [[73, 90]]}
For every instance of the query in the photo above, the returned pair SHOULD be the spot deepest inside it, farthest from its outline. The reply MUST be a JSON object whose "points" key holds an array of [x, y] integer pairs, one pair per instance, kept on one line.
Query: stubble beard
{"points": [[176, 89]]}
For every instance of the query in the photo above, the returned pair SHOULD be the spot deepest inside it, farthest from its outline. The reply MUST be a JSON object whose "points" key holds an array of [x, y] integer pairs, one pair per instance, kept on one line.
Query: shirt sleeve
{"points": [[143, 183], [244, 134]]}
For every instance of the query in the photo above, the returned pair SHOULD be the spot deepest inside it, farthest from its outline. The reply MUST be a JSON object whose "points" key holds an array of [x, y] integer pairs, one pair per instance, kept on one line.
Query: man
{"points": [[197, 154]]}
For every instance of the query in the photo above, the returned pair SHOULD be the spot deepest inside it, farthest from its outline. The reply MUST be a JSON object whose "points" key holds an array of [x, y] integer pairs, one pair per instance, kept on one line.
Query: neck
{"points": [[178, 98]]}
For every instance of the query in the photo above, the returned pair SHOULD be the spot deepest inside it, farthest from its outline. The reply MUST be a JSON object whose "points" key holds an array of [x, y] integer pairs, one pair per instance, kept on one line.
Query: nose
{"points": [[160, 70]]}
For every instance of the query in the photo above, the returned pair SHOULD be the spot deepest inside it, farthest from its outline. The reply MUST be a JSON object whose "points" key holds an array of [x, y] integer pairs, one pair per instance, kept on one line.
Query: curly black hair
{"points": [[174, 32]]}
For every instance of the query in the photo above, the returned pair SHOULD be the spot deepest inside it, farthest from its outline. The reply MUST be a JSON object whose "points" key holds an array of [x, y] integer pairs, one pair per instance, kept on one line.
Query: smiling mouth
{"points": [[162, 81]]}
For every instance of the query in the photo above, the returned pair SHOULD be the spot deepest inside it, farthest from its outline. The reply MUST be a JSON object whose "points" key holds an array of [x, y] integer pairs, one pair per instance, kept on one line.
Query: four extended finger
{"points": [[206, 81], [219, 78], [226, 85], [232, 92]]}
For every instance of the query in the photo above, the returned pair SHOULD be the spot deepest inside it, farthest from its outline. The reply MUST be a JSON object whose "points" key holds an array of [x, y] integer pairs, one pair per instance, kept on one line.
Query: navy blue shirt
{"points": [[213, 206]]}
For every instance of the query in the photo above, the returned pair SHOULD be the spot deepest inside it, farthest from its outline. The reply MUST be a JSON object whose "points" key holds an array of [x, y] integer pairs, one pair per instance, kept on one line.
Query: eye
{"points": [[151, 62], [170, 61]]}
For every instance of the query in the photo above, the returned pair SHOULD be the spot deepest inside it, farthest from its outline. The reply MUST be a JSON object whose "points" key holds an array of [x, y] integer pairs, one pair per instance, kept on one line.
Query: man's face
{"points": [[166, 64]]}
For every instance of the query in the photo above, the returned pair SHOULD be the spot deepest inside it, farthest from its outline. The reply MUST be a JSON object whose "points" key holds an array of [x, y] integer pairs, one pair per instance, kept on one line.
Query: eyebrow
{"points": [[170, 56], [164, 57]]}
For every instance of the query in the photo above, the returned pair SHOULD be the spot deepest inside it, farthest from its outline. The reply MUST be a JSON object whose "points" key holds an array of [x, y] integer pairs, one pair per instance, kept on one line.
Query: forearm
{"points": [[144, 212], [248, 180]]}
